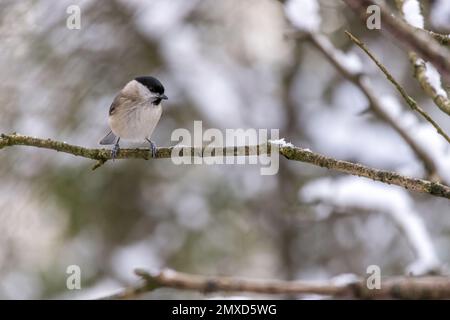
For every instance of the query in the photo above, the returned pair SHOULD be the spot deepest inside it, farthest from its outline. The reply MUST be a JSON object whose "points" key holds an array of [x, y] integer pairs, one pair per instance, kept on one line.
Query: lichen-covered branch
{"points": [[389, 177], [287, 150], [419, 41], [361, 81], [134, 153], [443, 39], [437, 287], [410, 101]]}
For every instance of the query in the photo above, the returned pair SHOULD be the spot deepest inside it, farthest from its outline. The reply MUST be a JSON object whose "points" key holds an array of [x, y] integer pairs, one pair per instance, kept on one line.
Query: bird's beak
{"points": [[164, 97]]}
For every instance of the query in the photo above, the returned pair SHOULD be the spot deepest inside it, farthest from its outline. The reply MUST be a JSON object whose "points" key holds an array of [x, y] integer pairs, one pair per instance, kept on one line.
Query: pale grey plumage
{"points": [[134, 113]]}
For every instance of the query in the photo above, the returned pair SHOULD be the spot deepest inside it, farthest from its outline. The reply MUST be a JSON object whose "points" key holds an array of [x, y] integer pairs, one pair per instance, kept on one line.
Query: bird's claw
{"points": [[115, 151], [152, 148]]}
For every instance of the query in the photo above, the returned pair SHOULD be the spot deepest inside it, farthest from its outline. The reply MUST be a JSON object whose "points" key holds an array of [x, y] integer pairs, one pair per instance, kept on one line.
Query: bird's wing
{"points": [[122, 99], [114, 105], [110, 138]]}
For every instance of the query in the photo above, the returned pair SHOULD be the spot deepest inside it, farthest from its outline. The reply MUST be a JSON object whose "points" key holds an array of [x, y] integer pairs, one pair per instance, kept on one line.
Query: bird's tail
{"points": [[110, 138]]}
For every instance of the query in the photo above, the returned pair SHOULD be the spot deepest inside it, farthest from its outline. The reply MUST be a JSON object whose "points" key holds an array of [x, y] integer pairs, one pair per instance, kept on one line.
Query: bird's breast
{"points": [[135, 122]]}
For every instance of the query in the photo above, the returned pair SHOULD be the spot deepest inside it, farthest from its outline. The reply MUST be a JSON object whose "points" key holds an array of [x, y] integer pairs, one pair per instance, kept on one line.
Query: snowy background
{"points": [[231, 65]]}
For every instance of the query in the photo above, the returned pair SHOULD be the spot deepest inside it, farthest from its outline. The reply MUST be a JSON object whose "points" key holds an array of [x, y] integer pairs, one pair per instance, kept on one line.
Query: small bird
{"points": [[134, 113]]}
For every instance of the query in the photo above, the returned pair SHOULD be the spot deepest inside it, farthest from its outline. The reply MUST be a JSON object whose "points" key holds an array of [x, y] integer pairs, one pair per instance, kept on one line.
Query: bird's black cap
{"points": [[151, 83]]}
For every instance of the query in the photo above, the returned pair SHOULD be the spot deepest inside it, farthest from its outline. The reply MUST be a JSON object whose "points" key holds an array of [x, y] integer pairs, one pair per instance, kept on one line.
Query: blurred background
{"points": [[229, 64]]}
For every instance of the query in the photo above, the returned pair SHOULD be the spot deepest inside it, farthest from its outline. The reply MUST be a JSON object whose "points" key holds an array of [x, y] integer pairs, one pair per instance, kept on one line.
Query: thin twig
{"points": [[410, 101], [437, 287], [287, 150], [361, 81], [418, 40]]}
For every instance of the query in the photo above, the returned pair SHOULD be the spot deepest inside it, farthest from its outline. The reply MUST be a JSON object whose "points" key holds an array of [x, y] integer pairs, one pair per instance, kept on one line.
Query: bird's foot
{"points": [[152, 148], [115, 151]]}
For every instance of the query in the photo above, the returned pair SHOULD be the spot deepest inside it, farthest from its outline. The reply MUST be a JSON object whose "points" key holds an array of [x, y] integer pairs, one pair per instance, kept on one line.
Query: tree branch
{"points": [[420, 73], [437, 287], [361, 81], [287, 150], [420, 70], [415, 39], [410, 101], [443, 39]]}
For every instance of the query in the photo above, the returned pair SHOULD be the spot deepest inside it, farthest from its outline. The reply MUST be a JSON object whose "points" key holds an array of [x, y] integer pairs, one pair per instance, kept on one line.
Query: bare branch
{"points": [[413, 38], [410, 101], [437, 287], [361, 81], [288, 151]]}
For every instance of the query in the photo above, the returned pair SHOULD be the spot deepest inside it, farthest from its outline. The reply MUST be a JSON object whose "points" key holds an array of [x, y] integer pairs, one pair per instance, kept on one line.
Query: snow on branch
{"points": [[351, 67], [303, 14], [354, 73], [425, 72], [412, 13], [421, 42], [289, 151], [430, 81], [410, 101]]}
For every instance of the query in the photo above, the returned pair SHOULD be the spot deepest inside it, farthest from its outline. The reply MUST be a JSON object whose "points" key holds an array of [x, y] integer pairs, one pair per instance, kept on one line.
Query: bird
{"points": [[134, 113]]}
